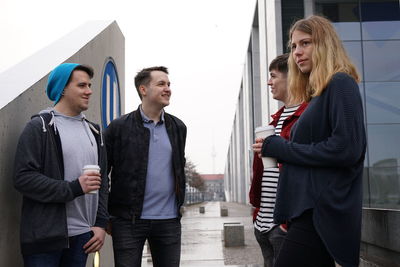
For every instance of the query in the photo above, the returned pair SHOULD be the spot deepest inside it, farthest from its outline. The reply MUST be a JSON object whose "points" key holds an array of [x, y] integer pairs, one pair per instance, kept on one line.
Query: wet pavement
{"points": [[202, 238]]}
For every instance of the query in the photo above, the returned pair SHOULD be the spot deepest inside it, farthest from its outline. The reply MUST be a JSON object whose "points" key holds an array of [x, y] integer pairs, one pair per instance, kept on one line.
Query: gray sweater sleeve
{"points": [[346, 144], [32, 161]]}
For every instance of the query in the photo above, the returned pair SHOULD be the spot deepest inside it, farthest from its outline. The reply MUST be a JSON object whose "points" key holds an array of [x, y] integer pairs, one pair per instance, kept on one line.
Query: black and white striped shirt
{"points": [[269, 184]]}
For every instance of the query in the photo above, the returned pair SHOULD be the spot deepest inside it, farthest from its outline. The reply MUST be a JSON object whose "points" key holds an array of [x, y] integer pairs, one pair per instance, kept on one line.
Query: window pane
{"points": [[383, 102], [381, 60], [384, 186], [384, 145], [348, 30], [380, 10], [366, 195], [381, 30], [361, 87], [340, 11], [353, 49]]}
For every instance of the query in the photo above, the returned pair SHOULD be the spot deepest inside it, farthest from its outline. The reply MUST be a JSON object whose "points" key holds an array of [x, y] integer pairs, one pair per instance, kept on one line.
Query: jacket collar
{"points": [[275, 117], [138, 119], [147, 119]]}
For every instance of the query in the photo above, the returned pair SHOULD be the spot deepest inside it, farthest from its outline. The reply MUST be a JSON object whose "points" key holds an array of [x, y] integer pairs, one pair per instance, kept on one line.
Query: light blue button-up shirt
{"points": [[159, 198]]}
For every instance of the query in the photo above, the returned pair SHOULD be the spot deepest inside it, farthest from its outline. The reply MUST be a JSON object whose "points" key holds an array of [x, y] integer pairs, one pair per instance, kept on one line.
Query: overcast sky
{"points": [[202, 42]]}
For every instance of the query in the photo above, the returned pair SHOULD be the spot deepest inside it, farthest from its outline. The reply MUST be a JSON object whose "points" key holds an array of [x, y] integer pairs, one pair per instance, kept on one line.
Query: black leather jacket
{"points": [[127, 142]]}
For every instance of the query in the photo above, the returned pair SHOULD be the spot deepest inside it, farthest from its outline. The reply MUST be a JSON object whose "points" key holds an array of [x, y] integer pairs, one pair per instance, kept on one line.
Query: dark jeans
{"points": [[164, 237], [270, 243], [303, 246], [73, 256]]}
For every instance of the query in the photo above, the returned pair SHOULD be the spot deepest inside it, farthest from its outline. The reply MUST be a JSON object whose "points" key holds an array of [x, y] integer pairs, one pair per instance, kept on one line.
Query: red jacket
{"points": [[258, 168]]}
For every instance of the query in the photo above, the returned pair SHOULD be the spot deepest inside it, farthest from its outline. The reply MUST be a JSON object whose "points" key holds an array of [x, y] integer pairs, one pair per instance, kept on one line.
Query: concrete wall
{"points": [[91, 44], [380, 241]]}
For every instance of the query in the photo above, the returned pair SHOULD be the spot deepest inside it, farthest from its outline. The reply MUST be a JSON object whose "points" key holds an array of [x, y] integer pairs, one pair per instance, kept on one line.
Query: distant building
{"points": [[193, 195], [214, 187]]}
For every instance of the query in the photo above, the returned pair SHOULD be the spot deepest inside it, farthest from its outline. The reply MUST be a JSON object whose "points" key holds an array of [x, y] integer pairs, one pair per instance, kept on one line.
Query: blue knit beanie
{"points": [[58, 80]]}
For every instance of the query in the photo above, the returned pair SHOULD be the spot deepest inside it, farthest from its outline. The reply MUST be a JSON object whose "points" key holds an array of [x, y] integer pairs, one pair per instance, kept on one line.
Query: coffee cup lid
{"points": [[91, 167], [264, 128]]}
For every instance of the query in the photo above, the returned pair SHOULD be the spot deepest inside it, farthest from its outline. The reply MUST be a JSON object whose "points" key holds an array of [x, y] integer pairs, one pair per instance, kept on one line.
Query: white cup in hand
{"points": [[264, 132], [91, 168]]}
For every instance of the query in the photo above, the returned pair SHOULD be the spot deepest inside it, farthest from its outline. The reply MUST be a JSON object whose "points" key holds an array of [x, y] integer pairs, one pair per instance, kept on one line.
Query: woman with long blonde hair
{"points": [[320, 185]]}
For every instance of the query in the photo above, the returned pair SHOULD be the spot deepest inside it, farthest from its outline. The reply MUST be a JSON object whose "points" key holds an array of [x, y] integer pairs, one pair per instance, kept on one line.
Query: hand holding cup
{"points": [[262, 133], [90, 180], [257, 146]]}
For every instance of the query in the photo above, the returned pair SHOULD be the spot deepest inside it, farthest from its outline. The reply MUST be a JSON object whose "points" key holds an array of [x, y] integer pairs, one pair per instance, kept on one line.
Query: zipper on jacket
{"points": [[66, 228]]}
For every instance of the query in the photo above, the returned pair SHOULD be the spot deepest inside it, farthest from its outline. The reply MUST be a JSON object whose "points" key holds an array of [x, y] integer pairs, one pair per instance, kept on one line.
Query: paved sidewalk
{"points": [[202, 238]]}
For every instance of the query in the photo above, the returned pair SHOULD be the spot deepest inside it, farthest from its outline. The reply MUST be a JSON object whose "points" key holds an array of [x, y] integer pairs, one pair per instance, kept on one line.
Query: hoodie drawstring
{"points": [[43, 124], [97, 132], [53, 121], [86, 130]]}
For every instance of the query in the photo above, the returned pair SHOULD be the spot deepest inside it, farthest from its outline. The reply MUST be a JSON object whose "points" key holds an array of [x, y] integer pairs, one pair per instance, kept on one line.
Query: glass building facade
{"points": [[370, 31]]}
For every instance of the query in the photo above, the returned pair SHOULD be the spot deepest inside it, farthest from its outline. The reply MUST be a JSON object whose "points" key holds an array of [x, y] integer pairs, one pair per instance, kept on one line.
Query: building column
{"points": [[308, 8]]}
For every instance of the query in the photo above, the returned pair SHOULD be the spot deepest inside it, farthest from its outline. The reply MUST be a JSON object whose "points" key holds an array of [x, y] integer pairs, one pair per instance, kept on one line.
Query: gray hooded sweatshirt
{"points": [[79, 148]]}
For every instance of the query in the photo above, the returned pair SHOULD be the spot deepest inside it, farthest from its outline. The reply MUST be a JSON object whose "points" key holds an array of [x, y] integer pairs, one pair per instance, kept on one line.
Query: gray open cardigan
{"points": [[323, 167]]}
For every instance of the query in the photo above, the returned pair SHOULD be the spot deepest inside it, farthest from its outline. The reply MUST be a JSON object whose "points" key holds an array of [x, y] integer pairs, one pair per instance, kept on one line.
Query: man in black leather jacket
{"points": [[146, 158]]}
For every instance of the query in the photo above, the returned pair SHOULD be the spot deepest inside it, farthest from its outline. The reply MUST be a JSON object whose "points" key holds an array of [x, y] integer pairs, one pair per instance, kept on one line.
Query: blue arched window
{"points": [[110, 94]]}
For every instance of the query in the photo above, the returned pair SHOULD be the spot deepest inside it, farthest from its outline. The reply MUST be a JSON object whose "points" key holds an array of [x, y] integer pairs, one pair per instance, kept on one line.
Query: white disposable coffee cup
{"points": [[91, 168], [264, 132]]}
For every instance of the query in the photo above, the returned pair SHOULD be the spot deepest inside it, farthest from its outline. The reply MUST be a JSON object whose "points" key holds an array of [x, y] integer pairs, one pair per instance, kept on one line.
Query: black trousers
{"points": [[302, 246], [164, 237], [270, 244]]}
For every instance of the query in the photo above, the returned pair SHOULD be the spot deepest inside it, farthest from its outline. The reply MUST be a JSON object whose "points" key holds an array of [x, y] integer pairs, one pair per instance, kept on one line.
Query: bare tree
{"points": [[193, 177]]}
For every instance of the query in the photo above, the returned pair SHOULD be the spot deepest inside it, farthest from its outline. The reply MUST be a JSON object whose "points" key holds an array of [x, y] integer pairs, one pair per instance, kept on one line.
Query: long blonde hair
{"points": [[328, 58]]}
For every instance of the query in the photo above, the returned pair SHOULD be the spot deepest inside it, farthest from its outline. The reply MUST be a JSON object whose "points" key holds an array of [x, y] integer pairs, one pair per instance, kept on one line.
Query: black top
{"points": [[323, 167]]}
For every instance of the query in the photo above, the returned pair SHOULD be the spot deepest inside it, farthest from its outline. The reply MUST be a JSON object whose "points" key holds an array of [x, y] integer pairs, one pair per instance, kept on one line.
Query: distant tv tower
{"points": [[213, 155]]}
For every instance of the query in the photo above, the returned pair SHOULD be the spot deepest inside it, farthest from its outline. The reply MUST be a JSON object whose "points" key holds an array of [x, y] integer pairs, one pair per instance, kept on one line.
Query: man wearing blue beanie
{"points": [[64, 211]]}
